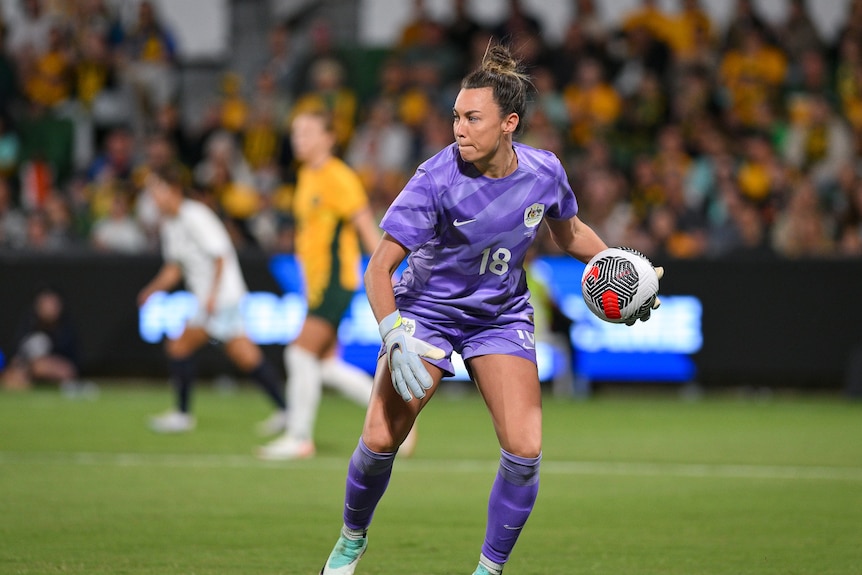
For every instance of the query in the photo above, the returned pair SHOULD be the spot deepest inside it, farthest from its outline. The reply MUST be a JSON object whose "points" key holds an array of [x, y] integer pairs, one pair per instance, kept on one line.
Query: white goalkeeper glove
{"points": [[659, 271], [403, 351]]}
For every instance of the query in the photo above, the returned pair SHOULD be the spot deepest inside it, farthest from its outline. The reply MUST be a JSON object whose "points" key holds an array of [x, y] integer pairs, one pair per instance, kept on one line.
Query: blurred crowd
{"points": [[681, 139]]}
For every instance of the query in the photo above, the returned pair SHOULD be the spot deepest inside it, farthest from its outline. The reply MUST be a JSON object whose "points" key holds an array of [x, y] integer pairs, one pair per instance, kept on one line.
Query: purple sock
{"points": [[509, 506], [367, 478]]}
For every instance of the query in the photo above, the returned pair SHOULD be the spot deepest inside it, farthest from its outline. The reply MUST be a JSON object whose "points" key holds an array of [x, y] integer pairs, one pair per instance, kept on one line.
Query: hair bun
{"points": [[499, 60]]}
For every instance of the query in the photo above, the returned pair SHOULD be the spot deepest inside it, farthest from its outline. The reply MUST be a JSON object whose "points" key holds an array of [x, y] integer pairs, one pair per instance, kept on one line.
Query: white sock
{"points": [[303, 391], [494, 568], [348, 379]]}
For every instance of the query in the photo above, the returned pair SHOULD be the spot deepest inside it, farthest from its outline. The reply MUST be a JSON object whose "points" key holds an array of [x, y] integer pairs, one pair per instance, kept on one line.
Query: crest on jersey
{"points": [[533, 215]]}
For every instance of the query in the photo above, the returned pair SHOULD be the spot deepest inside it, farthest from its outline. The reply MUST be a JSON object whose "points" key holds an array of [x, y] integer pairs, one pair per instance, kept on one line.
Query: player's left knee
{"points": [[520, 470]]}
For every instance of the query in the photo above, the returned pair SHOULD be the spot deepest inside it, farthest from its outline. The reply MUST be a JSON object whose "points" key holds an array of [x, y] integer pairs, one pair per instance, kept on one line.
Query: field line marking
{"points": [[598, 468]]}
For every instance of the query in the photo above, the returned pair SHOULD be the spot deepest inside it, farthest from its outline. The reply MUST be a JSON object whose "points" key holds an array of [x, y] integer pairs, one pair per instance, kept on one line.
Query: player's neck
{"points": [[316, 162], [501, 165]]}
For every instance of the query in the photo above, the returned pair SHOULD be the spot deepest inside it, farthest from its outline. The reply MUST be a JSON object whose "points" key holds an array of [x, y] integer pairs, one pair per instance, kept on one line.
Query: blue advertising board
{"points": [[658, 350]]}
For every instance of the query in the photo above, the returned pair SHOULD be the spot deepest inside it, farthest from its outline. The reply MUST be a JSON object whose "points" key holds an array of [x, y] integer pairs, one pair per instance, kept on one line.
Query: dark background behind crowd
{"points": [[681, 138]]}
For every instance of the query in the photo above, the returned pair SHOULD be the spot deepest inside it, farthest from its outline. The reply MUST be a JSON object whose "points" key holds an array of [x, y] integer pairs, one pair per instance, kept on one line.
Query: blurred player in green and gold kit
{"points": [[333, 219]]}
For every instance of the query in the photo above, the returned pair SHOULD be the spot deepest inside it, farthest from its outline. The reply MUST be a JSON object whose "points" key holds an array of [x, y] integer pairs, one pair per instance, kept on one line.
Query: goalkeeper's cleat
{"points": [[346, 554], [172, 422], [286, 448]]}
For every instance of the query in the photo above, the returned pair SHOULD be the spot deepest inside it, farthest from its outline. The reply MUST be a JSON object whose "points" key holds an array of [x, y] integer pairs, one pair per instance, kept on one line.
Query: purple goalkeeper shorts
{"points": [[508, 335]]}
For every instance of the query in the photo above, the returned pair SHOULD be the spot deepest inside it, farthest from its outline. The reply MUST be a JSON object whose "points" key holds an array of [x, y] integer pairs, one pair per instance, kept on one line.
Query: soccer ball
{"points": [[619, 284]]}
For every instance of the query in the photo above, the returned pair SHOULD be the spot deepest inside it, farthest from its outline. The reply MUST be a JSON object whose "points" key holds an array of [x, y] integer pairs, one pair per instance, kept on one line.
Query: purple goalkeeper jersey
{"points": [[468, 234]]}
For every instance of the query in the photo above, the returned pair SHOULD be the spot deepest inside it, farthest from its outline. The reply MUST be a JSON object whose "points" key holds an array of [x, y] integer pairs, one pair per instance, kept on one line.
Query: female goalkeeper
{"points": [[465, 219]]}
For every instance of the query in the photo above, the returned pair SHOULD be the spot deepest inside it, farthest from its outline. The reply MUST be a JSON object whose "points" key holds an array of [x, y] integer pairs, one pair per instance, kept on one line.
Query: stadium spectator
{"points": [[688, 29], [227, 180], [328, 90], [644, 114], [61, 221], [103, 191], [147, 57], [10, 149], [280, 60], [119, 231], [797, 34], [320, 45], [745, 233], [38, 234], [594, 27], [433, 50], [650, 17], [13, 222], [761, 177], [743, 19], [381, 150], [712, 167], [10, 83], [602, 204], [549, 100], [810, 78], [233, 108], [88, 19], [803, 228], [540, 133], [264, 137], [446, 305], [848, 83], [672, 156], [46, 347], [576, 46], [99, 103], [518, 25], [333, 221], [678, 230], [639, 52], [751, 75], [48, 75], [197, 250], [29, 31], [820, 145], [592, 103], [94, 73], [462, 27], [413, 31], [169, 124], [116, 159]]}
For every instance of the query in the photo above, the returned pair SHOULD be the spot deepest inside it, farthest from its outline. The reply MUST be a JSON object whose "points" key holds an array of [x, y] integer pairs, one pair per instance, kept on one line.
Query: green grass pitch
{"points": [[631, 485]]}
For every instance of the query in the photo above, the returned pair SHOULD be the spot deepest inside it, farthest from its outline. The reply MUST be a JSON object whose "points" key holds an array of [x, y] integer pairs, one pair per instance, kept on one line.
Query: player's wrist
{"points": [[388, 323]]}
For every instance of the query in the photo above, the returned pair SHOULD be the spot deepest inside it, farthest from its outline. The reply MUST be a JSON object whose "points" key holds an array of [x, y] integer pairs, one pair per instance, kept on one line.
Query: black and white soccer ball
{"points": [[619, 285]]}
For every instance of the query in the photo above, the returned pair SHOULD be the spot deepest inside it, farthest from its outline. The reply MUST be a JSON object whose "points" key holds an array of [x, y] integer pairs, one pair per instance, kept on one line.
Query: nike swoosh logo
{"points": [[355, 508], [510, 528], [458, 223]]}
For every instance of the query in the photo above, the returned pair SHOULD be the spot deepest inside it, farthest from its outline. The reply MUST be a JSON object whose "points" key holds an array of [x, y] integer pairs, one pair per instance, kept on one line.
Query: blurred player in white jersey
{"points": [[196, 248], [464, 222]]}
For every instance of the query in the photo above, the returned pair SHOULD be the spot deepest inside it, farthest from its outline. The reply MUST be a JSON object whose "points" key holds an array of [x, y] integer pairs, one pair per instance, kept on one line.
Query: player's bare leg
{"points": [[180, 354], [388, 421], [304, 389], [248, 358], [511, 390]]}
